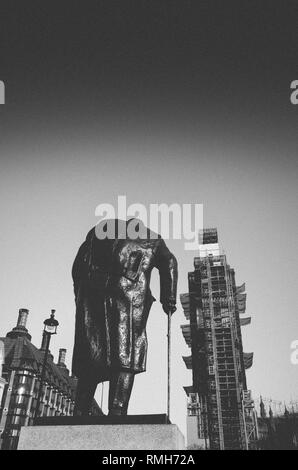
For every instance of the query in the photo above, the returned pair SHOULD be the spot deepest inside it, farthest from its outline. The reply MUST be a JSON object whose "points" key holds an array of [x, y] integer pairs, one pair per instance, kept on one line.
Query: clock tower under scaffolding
{"points": [[224, 409]]}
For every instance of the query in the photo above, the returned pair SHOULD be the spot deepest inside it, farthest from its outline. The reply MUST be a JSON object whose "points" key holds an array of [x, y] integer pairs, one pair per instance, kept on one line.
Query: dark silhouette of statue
{"points": [[113, 299]]}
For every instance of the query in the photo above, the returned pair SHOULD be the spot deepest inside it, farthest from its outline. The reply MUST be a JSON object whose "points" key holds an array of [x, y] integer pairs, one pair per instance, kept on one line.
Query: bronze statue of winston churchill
{"points": [[111, 283]]}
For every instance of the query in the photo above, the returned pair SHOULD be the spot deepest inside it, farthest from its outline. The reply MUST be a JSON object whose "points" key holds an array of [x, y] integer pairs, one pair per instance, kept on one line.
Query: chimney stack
{"points": [[20, 329], [22, 319], [62, 355]]}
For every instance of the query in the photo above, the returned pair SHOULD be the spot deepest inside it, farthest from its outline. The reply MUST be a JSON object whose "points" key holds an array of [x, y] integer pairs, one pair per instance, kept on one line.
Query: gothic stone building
{"points": [[21, 372]]}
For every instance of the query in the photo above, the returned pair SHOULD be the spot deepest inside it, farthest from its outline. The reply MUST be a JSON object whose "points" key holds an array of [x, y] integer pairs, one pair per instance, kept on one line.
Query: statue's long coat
{"points": [[113, 300]]}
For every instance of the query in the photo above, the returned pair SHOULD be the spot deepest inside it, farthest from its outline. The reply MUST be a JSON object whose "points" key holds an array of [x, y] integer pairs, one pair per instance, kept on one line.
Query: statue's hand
{"points": [[169, 307]]}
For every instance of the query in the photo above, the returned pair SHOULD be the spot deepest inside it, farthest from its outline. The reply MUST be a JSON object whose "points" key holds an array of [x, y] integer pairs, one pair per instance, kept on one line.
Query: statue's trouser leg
{"points": [[119, 394], [84, 397]]}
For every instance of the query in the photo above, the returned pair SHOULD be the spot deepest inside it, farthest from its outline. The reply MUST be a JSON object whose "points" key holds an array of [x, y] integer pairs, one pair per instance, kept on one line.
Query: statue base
{"points": [[47, 434], [101, 419]]}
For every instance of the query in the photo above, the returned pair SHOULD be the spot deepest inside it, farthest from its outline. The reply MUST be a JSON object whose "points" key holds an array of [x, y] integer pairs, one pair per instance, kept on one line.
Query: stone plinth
{"points": [[102, 437]]}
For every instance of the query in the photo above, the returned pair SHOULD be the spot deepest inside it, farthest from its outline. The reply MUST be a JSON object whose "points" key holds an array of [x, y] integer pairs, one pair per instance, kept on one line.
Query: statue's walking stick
{"points": [[169, 365]]}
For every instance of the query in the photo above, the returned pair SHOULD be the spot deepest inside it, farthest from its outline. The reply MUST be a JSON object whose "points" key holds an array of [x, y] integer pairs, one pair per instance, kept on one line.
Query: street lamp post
{"points": [[50, 328]]}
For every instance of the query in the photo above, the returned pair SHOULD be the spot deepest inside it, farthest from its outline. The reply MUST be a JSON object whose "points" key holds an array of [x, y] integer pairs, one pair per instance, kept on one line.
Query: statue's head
{"points": [[132, 229], [112, 229]]}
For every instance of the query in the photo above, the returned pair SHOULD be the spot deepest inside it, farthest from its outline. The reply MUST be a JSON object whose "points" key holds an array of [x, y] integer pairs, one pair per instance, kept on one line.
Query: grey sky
{"points": [[48, 197]]}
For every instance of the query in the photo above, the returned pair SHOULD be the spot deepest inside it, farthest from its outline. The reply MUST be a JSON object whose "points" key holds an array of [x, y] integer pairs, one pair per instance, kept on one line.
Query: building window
{"points": [[212, 384], [226, 322], [15, 420], [20, 399]]}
